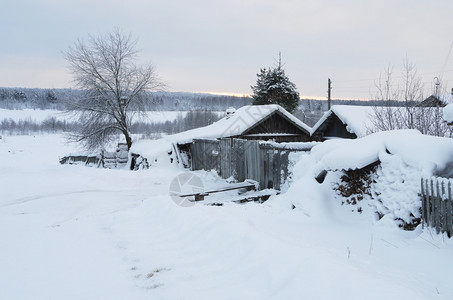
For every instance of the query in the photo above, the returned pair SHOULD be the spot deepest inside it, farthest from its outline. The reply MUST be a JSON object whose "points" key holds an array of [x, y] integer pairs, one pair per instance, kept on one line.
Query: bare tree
{"points": [[386, 116], [412, 93], [115, 88], [402, 109]]}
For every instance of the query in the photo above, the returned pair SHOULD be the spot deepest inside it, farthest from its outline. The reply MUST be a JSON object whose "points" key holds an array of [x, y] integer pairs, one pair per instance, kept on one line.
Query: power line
{"points": [[397, 77], [369, 87], [446, 60]]}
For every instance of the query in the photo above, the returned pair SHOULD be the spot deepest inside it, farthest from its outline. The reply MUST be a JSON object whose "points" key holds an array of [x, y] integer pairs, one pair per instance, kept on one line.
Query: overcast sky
{"points": [[220, 45]]}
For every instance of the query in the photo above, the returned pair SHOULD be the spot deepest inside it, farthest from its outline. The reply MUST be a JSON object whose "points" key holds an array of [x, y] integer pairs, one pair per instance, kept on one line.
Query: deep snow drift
{"points": [[71, 232], [405, 156]]}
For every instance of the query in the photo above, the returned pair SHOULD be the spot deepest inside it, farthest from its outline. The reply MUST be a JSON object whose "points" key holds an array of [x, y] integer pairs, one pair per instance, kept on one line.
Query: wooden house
{"points": [[432, 101]]}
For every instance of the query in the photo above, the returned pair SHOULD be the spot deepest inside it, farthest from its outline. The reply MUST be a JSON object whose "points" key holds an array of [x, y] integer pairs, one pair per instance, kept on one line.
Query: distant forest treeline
{"points": [[201, 109], [20, 98], [192, 119]]}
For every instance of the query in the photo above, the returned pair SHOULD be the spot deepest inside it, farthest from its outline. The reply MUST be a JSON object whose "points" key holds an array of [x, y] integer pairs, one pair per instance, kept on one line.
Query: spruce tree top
{"points": [[274, 87]]}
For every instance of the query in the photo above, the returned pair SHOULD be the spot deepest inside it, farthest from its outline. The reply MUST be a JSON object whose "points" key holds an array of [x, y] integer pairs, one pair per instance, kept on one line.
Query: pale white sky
{"points": [[219, 46]]}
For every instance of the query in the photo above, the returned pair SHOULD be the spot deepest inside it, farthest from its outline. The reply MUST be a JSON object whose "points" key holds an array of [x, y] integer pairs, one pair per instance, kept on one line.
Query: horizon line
{"points": [[244, 95]]}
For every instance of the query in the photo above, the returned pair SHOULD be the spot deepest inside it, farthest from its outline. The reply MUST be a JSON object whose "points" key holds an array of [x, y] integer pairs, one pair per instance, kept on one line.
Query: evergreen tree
{"points": [[274, 87]]}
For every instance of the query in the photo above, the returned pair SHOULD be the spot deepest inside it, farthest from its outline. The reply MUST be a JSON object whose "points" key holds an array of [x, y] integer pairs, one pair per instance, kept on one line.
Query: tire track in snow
{"points": [[51, 195]]}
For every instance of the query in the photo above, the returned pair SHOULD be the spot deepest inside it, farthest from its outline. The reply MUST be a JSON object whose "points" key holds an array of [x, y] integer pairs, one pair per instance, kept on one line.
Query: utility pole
{"points": [[329, 88], [436, 88]]}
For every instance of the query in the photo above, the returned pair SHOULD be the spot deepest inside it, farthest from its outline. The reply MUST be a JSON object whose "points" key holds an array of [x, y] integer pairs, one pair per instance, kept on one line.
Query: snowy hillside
{"points": [[71, 232]]}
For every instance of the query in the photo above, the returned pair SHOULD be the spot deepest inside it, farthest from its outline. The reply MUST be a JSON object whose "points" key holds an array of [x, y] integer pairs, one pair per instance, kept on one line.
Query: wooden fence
{"points": [[104, 159], [266, 163], [437, 205], [86, 160]]}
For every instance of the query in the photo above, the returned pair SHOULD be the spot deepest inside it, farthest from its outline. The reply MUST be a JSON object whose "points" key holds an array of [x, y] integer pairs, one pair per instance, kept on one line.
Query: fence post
{"points": [[422, 186], [277, 168], [437, 201], [449, 211], [270, 182], [433, 206], [442, 213], [428, 203]]}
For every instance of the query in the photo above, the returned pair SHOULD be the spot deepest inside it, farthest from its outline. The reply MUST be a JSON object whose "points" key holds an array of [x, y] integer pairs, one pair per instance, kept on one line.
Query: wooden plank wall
{"points": [[238, 147], [226, 168], [206, 155], [437, 204], [244, 159], [252, 159]]}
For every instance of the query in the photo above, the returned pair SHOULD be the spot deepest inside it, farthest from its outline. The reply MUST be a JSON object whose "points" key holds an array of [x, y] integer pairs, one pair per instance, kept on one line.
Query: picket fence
{"points": [[436, 194]]}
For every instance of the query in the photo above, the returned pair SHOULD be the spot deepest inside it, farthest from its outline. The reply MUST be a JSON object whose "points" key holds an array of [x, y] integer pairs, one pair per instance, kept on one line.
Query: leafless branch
{"points": [[115, 88]]}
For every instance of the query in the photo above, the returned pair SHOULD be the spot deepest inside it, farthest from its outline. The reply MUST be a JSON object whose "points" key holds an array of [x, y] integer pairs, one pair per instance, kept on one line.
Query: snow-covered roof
{"points": [[446, 98], [236, 124], [356, 118], [448, 113]]}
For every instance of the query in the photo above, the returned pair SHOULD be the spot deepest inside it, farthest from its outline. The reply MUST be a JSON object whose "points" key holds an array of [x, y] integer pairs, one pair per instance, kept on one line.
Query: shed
{"points": [[253, 142], [248, 123], [205, 147], [343, 121]]}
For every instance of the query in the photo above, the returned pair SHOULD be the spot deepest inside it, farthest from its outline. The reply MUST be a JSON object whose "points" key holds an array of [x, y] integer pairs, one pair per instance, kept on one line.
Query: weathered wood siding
{"points": [[332, 127], [437, 205], [232, 158], [276, 123], [205, 155], [243, 159], [226, 168]]}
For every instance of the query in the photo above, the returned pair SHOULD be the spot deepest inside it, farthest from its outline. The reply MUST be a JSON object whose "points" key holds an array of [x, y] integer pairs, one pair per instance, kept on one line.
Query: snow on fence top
{"points": [[440, 186]]}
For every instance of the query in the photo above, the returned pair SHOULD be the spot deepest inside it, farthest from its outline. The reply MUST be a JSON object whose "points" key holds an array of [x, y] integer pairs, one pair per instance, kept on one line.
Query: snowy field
{"points": [[72, 232], [38, 116]]}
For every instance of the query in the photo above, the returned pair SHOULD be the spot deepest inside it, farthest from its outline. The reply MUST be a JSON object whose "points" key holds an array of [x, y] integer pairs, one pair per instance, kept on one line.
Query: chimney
{"points": [[230, 112]]}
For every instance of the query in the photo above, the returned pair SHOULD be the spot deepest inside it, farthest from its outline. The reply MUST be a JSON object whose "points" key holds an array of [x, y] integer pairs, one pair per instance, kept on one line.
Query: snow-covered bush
{"points": [[389, 191]]}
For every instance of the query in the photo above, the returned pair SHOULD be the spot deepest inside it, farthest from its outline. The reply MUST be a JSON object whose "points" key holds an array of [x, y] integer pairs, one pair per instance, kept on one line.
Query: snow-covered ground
{"points": [[72, 232]]}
